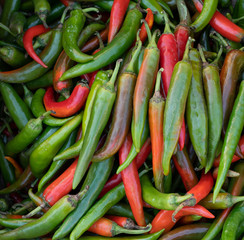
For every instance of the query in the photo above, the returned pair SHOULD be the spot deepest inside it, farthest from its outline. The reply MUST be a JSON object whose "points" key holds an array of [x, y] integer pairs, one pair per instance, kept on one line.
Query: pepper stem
{"points": [[218, 56], [149, 34], [167, 29], [34, 211], [116, 229], [158, 80], [236, 199], [187, 49], [101, 45], [181, 199], [81, 194], [46, 114], [153, 43], [115, 72], [91, 9], [4, 27], [64, 14], [183, 12], [135, 54], [202, 54], [217, 37]]}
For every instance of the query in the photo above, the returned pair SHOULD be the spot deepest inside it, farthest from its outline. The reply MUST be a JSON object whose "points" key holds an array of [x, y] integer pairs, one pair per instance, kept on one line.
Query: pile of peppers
{"points": [[122, 118]]}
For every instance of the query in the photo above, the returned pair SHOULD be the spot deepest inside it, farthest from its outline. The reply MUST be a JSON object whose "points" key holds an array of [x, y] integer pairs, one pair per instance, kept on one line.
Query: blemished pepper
{"points": [[175, 106], [143, 89], [122, 112], [232, 136], [160, 200], [116, 48], [212, 89], [42, 156], [42, 9], [155, 117], [196, 110], [17, 108], [48, 221], [100, 112]]}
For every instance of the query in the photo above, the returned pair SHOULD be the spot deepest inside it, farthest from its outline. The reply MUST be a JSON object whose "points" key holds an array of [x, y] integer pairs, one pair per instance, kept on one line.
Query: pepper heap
{"points": [[101, 109]]}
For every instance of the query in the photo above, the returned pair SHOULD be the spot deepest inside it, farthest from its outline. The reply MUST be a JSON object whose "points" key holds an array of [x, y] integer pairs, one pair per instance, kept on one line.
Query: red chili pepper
{"points": [[132, 183], [149, 19], [116, 17], [116, 179], [223, 25], [66, 3], [122, 221], [241, 144], [164, 218], [217, 160], [28, 38], [69, 106], [17, 167]]}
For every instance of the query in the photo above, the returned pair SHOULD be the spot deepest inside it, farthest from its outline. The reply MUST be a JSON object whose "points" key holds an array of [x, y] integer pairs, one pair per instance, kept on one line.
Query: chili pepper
{"points": [[28, 95], [175, 106], [38, 109], [112, 51], [15, 105], [25, 179], [240, 230], [232, 137], [232, 67], [140, 159], [17, 168], [123, 221], [94, 42], [232, 222], [8, 8], [28, 38], [42, 9], [116, 17], [208, 10], [155, 115], [122, 112], [238, 12], [48, 221], [223, 201], [230, 173], [14, 223], [189, 219], [97, 176], [7, 44], [69, 106], [143, 89], [41, 157], [34, 70], [185, 169], [26, 136], [42, 40], [217, 160], [24, 155], [196, 111], [193, 231], [164, 218], [106, 227], [131, 183], [55, 166], [55, 13], [235, 188], [100, 112], [106, 5], [223, 25], [212, 89], [6, 168], [17, 22]]}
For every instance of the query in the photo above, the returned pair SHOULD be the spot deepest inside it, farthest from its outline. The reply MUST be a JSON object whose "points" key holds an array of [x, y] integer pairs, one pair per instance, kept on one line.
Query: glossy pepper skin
{"points": [[112, 51], [232, 136], [196, 110], [42, 9], [232, 67], [175, 107]]}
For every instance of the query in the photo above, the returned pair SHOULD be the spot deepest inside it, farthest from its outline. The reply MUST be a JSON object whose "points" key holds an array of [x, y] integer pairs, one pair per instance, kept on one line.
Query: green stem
{"points": [[202, 54], [215, 62], [115, 73], [236, 199], [188, 45], [101, 45], [149, 34], [91, 9], [116, 229], [216, 36], [33, 212], [4, 27], [158, 80], [64, 14], [167, 29]]}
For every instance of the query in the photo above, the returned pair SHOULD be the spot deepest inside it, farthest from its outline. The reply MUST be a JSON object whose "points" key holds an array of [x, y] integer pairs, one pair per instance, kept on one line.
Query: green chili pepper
{"points": [[113, 50], [25, 155], [235, 218], [17, 108], [4, 206], [208, 10], [238, 12], [8, 44], [13, 57], [26, 136], [54, 14], [232, 136], [140, 60], [72, 27], [211, 82], [48, 222], [160, 200], [38, 109], [42, 40], [7, 169], [96, 178], [143, 90], [223, 201], [42, 9], [27, 6], [100, 113], [28, 95], [196, 110], [175, 106], [41, 157], [17, 22], [33, 69], [101, 78], [14, 223], [9, 7], [240, 230], [55, 166]]}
